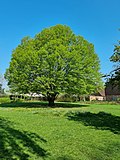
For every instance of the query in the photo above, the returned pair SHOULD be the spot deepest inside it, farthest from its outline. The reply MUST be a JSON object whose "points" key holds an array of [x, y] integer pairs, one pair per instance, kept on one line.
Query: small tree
{"points": [[54, 61]]}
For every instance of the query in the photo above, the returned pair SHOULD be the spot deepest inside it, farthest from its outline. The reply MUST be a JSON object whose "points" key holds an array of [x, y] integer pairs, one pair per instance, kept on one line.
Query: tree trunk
{"points": [[51, 98], [51, 102]]}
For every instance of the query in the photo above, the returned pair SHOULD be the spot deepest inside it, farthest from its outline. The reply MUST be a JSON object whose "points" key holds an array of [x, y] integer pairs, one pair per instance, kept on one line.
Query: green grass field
{"points": [[33, 131]]}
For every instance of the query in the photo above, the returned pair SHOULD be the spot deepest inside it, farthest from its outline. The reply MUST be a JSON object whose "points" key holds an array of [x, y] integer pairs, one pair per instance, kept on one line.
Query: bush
{"points": [[66, 98], [4, 99]]}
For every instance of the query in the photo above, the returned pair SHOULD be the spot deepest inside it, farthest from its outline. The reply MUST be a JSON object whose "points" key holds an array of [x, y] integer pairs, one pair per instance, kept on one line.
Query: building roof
{"points": [[99, 93]]}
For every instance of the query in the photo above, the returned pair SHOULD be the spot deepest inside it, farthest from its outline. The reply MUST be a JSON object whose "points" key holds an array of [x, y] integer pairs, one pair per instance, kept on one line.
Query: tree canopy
{"points": [[54, 61], [115, 78]]}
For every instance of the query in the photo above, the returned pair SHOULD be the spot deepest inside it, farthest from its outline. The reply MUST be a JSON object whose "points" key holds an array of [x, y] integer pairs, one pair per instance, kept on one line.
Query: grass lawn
{"points": [[30, 131]]}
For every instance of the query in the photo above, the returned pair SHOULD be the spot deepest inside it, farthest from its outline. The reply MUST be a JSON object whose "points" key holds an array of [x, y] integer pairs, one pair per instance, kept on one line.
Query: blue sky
{"points": [[97, 21]]}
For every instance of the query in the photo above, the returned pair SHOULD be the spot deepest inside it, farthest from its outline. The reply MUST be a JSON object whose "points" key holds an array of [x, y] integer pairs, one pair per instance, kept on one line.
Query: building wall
{"points": [[94, 98], [112, 97]]}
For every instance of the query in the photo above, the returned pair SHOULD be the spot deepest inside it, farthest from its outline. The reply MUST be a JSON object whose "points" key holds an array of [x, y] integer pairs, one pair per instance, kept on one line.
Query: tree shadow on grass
{"points": [[64, 158], [16, 144], [101, 120], [42, 105], [24, 104]]}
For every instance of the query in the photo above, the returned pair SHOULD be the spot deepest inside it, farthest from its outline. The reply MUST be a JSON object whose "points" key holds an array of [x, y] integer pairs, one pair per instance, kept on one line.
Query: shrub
{"points": [[66, 98], [4, 99]]}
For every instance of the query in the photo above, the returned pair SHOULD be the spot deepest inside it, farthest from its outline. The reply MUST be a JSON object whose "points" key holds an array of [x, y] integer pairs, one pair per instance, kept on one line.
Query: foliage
{"points": [[1, 89], [84, 133], [115, 75], [67, 98], [1, 86], [54, 61], [116, 56], [4, 99]]}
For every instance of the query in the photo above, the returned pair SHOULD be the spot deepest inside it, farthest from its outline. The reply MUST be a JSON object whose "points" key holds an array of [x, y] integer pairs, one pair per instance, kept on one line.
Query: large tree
{"points": [[54, 61]]}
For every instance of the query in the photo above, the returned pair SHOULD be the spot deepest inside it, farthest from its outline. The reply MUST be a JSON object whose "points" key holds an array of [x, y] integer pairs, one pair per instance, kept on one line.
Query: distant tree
{"points": [[1, 85], [54, 61], [116, 55], [0, 88], [115, 74]]}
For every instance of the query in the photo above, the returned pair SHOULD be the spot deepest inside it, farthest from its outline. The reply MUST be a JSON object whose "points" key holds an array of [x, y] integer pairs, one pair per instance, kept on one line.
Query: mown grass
{"points": [[33, 131]]}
